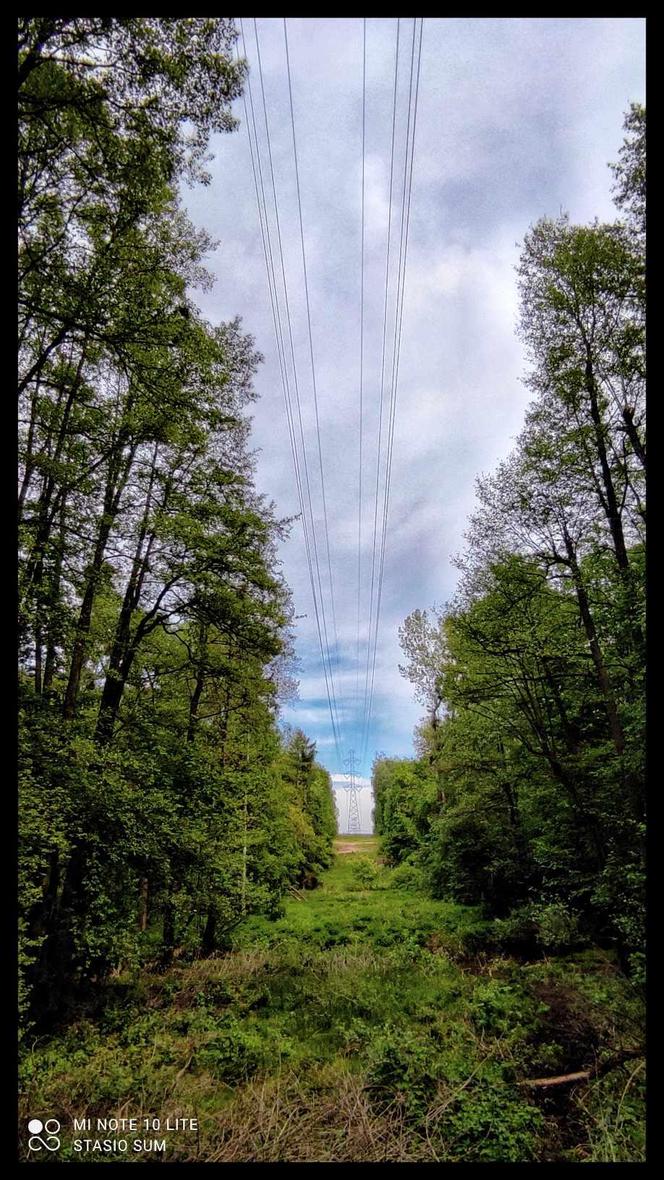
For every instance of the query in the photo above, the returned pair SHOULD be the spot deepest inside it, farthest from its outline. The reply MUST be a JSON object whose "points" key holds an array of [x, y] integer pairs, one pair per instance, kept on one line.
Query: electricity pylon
{"points": [[354, 825]]}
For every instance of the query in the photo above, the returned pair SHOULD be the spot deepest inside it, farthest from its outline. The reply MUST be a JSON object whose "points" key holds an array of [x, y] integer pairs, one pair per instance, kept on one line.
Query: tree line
{"points": [[159, 800], [528, 793]]}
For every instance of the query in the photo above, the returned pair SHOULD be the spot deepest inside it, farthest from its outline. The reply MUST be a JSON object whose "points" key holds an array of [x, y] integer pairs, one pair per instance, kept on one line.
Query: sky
{"points": [[517, 119]]}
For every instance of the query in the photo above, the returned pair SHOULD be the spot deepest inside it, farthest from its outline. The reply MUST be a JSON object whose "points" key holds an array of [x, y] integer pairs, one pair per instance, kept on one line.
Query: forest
{"points": [[159, 803], [466, 985], [528, 794]]}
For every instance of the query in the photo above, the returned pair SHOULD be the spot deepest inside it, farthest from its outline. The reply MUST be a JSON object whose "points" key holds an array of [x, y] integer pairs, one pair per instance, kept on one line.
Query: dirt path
{"points": [[345, 844]]}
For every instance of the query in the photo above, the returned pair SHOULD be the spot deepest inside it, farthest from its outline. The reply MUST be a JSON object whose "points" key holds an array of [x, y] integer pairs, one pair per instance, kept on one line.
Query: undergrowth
{"points": [[361, 1025]]}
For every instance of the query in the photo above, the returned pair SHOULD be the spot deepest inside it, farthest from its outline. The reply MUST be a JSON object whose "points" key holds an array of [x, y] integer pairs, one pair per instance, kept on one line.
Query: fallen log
{"points": [[584, 1075], [581, 1075]]}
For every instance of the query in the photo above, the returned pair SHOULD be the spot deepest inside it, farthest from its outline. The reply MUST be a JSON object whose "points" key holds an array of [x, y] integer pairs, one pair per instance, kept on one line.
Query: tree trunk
{"points": [[168, 933], [143, 895], [54, 626], [615, 726], [118, 474], [198, 687], [124, 647], [633, 435], [209, 939], [610, 505], [123, 651], [38, 658]]}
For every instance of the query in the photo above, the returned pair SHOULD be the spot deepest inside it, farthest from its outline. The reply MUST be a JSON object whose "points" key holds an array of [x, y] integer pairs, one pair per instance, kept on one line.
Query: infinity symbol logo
{"points": [[50, 1128]]}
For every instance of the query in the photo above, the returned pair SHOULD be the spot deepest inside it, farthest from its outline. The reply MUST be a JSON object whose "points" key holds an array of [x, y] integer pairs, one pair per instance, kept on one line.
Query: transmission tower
{"points": [[354, 825]]}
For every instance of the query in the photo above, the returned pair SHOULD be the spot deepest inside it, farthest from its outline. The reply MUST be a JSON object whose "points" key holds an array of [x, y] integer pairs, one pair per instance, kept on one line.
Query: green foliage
{"points": [[407, 876], [613, 1110], [630, 171], [490, 1126], [405, 793], [533, 676], [365, 872], [403, 1064], [233, 1054], [157, 805], [351, 1012]]}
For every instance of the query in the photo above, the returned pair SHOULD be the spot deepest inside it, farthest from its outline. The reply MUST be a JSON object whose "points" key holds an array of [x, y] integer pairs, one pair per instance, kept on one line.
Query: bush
{"points": [[557, 926], [492, 1124], [402, 1065], [407, 876], [529, 928], [235, 1053], [365, 872]]}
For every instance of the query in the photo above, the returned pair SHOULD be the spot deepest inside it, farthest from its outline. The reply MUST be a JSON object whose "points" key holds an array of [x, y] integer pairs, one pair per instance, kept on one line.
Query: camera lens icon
{"points": [[50, 1129]]}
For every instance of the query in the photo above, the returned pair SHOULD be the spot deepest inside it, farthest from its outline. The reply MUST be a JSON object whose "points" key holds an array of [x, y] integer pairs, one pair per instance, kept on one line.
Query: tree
{"points": [[157, 808], [630, 172], [537, 665]]}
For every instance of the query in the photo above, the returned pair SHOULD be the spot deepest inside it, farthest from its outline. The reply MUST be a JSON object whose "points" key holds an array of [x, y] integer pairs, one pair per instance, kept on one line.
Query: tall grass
{"points": [[360, 1026]]}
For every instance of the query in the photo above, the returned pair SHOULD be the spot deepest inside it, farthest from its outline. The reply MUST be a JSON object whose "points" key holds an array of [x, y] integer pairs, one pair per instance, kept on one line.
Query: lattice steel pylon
{"points": [[354, 824]]}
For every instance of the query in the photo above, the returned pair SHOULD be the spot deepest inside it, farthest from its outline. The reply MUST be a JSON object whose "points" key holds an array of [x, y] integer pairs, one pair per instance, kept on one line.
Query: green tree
{"points": [[533, 676], [158, 808]]}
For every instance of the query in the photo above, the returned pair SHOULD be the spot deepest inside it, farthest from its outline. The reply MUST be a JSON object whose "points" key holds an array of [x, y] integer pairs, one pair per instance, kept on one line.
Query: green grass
{"points": [[341, 912], [356, 1027]]}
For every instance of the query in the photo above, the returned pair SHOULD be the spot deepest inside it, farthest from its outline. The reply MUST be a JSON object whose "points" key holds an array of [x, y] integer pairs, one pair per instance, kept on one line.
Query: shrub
{"points": [[402, 1066], [365, 872], [557, 926], [407, 876], [492, 1124]]}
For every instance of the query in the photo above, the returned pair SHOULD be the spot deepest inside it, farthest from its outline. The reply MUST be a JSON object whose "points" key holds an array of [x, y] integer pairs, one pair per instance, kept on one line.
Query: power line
{"points": [[403, 251], [359, 495], [297, 393], [304, 486], [382, 380], [281, 352], [398, 327], [403, 248], [282, 319], [311, 342]]}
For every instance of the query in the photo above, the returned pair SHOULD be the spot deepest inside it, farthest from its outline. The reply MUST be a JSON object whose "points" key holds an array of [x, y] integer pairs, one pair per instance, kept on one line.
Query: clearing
{"points": [[363, 1025], [365, 844]]}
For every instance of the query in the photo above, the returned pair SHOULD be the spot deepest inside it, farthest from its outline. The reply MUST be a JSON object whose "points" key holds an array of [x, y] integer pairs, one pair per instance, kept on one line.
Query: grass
{"points": [[357, 1027]]}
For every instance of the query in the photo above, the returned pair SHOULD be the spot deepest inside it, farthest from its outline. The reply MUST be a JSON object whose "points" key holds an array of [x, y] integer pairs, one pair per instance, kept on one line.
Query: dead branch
{"points": [[584, 1075]]}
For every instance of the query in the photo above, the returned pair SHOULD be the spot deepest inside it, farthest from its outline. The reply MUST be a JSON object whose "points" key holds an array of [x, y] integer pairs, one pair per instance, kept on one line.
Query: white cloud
{"points": [[517, 118], [341, 781]]}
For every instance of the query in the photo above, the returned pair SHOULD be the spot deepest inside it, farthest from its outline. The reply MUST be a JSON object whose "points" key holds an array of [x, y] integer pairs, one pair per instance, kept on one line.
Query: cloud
{"points": [[340, 780], [517, 117]]}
